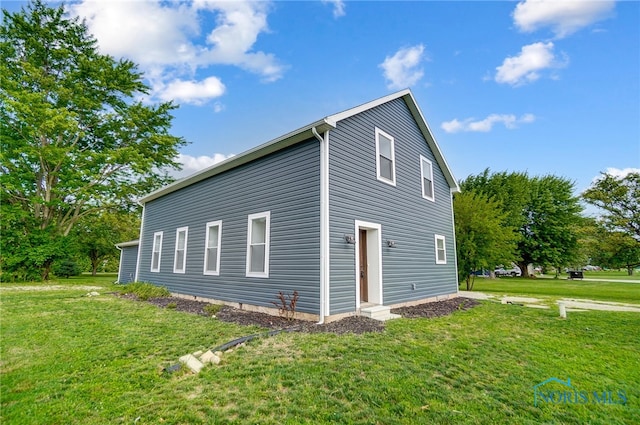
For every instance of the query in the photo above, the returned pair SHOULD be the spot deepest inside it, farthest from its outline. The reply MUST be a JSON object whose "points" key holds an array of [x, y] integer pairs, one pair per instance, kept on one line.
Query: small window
{"points": [[212, 248], [427, 178], [385, 161], [156, 251], [258, 245], [181, 250], [441, 250]]}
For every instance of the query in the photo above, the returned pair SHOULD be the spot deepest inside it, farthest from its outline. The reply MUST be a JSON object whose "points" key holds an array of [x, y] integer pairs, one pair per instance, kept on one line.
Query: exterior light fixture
{"points": [[391, 244], [350, 239]]}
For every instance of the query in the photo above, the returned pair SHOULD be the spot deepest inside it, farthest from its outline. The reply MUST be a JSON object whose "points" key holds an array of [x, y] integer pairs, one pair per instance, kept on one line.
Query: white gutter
{"points": [[324, 223]]}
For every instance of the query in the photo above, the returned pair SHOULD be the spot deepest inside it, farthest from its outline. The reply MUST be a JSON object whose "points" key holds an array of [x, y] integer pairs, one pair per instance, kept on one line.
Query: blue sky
{"points": [[547, 87]]}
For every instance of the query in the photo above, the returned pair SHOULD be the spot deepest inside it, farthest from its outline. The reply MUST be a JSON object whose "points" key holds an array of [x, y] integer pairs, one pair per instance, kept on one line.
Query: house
{"points": [[353, 211]]}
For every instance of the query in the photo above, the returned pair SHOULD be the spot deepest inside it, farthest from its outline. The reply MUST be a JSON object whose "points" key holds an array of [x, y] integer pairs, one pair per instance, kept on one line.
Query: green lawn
{"points": [[612, 291], [71, 359]]}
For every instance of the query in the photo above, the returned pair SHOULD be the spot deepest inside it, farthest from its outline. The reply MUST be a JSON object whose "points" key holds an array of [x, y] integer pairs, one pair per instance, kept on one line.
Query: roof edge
{"points": [[264, 149]]}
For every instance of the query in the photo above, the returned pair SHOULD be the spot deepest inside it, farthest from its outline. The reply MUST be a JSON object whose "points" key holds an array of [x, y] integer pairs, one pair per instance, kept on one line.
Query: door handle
{"points": [[361, 273]]}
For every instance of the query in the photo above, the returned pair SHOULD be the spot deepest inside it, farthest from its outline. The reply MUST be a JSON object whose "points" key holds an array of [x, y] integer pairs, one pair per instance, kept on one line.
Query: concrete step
{"points": [[378, 312]]}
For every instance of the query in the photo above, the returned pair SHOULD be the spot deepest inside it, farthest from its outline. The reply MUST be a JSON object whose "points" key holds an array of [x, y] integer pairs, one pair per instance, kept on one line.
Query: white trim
{"points": [[183, 269], [153, 251], [392, 182], [325, 243], [444, 249], [374, 255], [140, 246], [433, 189], [209, 225], [266, 215], [455, 242]]}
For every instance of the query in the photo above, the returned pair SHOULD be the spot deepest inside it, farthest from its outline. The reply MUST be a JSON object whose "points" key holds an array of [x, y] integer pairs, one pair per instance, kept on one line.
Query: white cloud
{"points": [[526, 67], [193, 164], [192, 92], [402, 69], [338, 7], [564, 17], [165, 38], [618, 173], [510, 121]]}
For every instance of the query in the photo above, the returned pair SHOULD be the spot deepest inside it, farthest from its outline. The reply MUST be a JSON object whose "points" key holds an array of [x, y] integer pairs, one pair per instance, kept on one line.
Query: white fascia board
{"points": [[366, 106], [264, 149]]}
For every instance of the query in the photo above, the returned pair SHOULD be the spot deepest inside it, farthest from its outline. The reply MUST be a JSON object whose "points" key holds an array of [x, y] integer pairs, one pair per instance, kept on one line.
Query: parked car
{"points": [[513, 271]]}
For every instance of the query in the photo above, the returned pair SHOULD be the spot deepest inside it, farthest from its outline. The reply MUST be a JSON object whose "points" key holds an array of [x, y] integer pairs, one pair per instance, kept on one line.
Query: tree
{"points": [[96, 235], [615, 249], [74, 137], [483, 239], [619, 197], [542, 211]]}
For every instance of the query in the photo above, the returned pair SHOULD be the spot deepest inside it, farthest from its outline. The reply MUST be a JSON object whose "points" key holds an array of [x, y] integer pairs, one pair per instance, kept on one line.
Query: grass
{"points": [[72, 359], [610, 291]]}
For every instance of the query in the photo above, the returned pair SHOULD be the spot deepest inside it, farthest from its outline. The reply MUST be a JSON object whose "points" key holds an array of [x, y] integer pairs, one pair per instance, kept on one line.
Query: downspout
{"points": [[455, 248], [136, 279], [120, 262], [324, 221]]}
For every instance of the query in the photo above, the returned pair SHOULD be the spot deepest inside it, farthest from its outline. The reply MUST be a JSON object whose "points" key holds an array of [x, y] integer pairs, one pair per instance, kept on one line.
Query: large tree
{"points": [[619, 197], [542, 211], [483, 237], [75, 138]]}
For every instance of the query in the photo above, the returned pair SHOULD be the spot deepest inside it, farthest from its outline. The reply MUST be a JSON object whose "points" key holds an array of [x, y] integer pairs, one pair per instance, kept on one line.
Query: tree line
{"points": [[505, 217], [78, 146]]}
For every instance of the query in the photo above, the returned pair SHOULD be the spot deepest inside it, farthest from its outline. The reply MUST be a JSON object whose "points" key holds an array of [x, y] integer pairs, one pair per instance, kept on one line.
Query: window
{"points": [[181, 250], [385, 158], [258, 245], [441, 251], [427, 178], [155, 252], [212, 248]]}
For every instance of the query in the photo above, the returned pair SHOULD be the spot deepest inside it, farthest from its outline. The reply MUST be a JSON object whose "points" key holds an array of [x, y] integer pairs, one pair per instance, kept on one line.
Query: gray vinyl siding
{"points": [[405, 216], [128, 260], [286, 183]]}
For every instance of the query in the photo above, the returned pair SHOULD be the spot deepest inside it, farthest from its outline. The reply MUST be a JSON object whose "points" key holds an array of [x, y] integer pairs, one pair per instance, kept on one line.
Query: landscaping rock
{"points": [[210, 357], [192, 363], [197, 353]]}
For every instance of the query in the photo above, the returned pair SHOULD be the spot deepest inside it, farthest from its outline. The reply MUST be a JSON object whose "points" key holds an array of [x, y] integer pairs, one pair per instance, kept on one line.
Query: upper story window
{"points": [[258, 244], [426, 167], [181, 250], [441, 250], [385, 157], [213, 239], [156, 251]]}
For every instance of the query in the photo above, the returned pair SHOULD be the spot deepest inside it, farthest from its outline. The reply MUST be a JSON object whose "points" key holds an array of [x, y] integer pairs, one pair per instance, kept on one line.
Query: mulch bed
{"points": [[353, 324]]}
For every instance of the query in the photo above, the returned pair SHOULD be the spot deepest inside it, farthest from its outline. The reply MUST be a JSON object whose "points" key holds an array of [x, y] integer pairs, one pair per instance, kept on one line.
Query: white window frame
{"points": [[444, 249], [433, 189], [267, 237], [183, 269], [205, 270], [392, 182], [158, 251]]}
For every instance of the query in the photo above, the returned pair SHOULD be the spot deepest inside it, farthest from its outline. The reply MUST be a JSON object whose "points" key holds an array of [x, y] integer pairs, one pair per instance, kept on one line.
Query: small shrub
{"points": [[172, 306], [144, 290], [212, 309], [66, 268], [286, 304]]}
